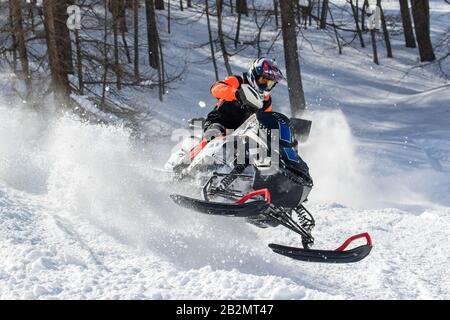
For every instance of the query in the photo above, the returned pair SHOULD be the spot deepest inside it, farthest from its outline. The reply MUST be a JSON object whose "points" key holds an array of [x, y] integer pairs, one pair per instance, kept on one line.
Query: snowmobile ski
{"points": [[248, 209], [340, 255]]}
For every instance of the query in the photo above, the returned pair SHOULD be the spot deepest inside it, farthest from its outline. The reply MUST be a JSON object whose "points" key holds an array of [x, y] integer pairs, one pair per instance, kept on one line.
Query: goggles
{"points": [[266, 84]]}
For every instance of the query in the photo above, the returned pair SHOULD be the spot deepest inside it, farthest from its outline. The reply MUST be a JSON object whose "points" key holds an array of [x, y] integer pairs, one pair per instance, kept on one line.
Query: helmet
{"points": [[267, 69]]}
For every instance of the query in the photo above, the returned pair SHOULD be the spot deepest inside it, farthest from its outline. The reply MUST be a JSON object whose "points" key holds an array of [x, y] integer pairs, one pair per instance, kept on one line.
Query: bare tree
{"points": [[13, 48], [275, 12], [358, 29], [123, 4], [219, 4], [363, 15], [373, 33], [32, 12], [323, 18], [59, 67], [410, 40], [105, 53], [159, 4], [211, 42], [259, 26], [241, 7], [303, 12], [294, 78], [318, 14], [154, 47], [79, 62], [161, 77], [421, 16], [114, 8], [19, 40], [168, 16], [63, 34], [238, 27], [136, 38], [152, 39], [387, 40], [336, 34]]}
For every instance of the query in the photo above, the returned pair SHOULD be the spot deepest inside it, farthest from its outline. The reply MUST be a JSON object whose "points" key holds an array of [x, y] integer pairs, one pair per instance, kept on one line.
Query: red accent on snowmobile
{"points": [[197, 149], [252, 194], [353, 238]]}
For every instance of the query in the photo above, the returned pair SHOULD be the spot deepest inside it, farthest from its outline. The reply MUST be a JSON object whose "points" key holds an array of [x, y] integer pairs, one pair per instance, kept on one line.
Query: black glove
{"points": [[214, 130], [238, 94]]}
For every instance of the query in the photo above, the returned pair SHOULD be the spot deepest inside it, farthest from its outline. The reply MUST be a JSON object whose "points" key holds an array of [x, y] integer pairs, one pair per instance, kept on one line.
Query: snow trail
{"points": [[88, 203], [83, 215]]}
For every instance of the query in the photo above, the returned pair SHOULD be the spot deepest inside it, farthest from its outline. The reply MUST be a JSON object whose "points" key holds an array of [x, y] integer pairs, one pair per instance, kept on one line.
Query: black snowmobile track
{"points": [[248, 209], [324, 256]]}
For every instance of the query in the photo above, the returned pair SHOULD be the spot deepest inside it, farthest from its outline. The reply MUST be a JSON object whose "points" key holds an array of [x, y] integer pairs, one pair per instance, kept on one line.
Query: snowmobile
{"points": [[256, 173]]}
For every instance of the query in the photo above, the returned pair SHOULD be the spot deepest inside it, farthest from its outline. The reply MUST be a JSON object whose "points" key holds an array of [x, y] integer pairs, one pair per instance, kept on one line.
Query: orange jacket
{"points": [[226, 91]]}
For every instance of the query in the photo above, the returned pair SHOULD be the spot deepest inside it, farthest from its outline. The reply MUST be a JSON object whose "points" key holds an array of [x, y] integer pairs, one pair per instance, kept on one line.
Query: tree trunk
{"points": [[374, 45], [122, 22], [323, 18], [63, 33], [410, 40], [275, 12], [153, 44], [358, 29], [211, 43], [421, 16], [318, 14], [336, 34], [297, 4], [238, 27], [294, 78], [32, 11], [55, 45], [363, 15], [121, 15], [387, 40], [115, 24], [168, 16], [152, 38], [136, 38], [310, 8], [189, 3], [14, 43], [181, 5], [105, 54], [241, 7], [79, 62], [162, 87], [159, 4], [19, 36], [221, 37]]}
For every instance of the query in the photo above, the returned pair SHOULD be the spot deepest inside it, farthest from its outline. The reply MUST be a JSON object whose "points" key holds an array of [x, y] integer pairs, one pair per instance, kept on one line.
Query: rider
{"points": [[229, 112]]}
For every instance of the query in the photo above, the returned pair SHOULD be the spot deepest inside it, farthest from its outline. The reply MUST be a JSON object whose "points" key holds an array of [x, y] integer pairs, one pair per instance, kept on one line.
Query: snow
{"points": [[85, 212]]}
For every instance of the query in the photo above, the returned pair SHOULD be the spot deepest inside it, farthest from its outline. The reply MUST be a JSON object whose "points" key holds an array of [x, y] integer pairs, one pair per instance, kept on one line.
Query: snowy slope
{"points": [[83, 215]]}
